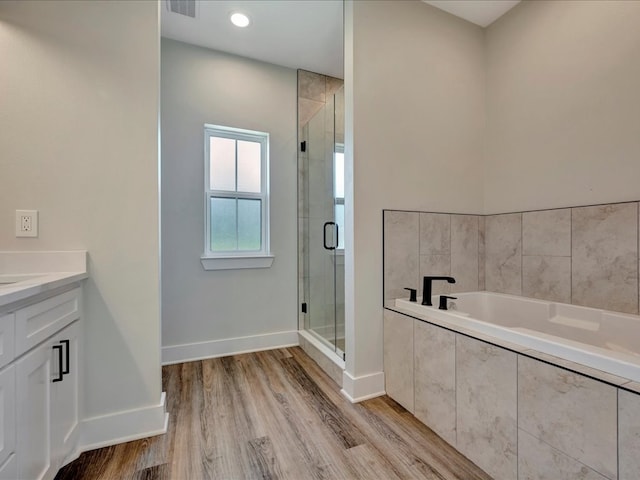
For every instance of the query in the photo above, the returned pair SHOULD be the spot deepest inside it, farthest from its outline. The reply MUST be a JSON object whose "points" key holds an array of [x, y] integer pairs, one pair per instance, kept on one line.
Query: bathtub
{"points": [[599, 339]]}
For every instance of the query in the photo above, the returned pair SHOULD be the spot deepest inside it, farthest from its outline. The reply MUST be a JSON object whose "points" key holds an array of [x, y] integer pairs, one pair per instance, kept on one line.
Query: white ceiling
{"points": [[303, 34], [480, 12]]}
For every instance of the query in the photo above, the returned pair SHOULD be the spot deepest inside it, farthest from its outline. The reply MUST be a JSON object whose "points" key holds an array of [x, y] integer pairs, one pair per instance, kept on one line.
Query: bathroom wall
{"points": [[418, 244], [583, 255], [562, 105], [414, 89], [207, 313], [79, 143]]}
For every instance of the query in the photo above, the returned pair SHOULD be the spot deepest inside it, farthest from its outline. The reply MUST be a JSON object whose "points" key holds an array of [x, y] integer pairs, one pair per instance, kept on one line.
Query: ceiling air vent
{"points": [[182, 7]]}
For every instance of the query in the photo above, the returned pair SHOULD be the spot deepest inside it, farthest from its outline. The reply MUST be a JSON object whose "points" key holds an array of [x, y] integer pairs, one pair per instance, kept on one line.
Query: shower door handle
{"points": [[324, 239]]}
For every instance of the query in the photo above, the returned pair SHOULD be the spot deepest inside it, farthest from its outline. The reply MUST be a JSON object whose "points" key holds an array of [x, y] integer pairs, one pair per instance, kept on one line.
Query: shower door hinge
{"points": [[303, 146], [304, 307]]}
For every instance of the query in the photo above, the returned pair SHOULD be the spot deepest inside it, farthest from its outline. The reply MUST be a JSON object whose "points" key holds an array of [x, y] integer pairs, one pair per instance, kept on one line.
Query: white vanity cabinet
{"points": [[7, 423], [64, 393], [45, 377]]}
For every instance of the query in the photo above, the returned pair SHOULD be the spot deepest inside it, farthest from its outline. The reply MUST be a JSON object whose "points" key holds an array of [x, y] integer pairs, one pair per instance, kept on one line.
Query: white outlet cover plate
{"points": [[33, 215]]}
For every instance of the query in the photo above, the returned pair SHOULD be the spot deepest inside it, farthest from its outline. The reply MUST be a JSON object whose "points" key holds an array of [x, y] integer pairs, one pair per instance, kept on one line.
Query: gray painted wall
{"points": [[78, 142], [204, 86], [414, 88], [562, 105]]}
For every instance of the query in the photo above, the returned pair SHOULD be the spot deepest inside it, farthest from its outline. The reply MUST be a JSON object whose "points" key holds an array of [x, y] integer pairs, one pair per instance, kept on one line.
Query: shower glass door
{"points": [[322, 224]]}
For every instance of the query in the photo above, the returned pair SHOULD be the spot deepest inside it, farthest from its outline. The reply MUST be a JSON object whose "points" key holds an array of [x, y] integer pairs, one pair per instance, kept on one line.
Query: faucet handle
{"points": [[413, 294], [443, 301]]}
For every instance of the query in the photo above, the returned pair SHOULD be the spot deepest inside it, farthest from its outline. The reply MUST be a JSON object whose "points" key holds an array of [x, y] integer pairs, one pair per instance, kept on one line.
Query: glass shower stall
{"points": [[321, 211]]}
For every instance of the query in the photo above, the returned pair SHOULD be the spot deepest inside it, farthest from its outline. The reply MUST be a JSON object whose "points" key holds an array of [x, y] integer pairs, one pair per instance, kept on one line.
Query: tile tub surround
{"points": [[418, 244], [435, 378], [582, 422], [548, 421], [585, 256], [486, 406]]}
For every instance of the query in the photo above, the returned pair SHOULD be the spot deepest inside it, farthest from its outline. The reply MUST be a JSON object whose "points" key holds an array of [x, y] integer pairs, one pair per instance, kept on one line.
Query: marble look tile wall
{"points": [[418, 244], [503, 253], [513, 414], [401, 253], [582, 420], [486, 406], [586, 256], [605, 257], [435, 379], [628, 435], [539, 460], [398, 358]]}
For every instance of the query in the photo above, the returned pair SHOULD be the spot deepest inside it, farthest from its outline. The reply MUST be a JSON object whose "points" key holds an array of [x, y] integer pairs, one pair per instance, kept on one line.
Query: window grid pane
{"points": [[224, 228], [249, 174], [249, 224], [222, 163]]}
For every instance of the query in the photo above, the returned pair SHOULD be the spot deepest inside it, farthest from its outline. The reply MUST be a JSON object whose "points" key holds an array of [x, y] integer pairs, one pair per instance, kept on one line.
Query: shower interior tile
{"points": [[307, 110], [311, 86]]}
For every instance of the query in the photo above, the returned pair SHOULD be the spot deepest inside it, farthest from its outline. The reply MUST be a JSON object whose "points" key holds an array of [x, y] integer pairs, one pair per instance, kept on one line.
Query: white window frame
{"points": [[237, 259]]}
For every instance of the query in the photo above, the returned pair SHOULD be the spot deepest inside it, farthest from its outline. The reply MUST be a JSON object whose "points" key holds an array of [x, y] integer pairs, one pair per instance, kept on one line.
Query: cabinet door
{"points": [[7, 413], [7, 339], [33, 394], [64, 393]]}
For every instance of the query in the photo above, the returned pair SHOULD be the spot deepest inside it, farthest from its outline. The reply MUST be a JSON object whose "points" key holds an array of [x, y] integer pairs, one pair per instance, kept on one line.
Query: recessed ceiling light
{"points": [[239, 19]]}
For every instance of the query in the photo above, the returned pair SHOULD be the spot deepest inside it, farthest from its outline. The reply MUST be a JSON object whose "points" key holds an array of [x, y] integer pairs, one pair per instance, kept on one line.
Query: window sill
{"points": [[236, 263]]}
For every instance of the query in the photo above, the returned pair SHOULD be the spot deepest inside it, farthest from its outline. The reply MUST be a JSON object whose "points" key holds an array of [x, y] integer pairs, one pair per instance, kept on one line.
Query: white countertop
{"points": [[25, 274]]}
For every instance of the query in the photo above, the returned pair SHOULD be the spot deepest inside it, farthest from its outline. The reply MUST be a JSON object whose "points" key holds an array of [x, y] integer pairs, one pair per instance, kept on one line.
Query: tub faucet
{"points": [[426, 288]]}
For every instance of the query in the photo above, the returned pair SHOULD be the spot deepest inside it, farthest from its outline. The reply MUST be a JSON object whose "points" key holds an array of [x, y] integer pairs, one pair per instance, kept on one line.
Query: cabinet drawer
{"points": [[39, 321], [7, 340]]}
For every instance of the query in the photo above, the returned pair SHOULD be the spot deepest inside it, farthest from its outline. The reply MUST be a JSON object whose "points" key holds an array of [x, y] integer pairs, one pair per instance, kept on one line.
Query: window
{"points": [[338, 192], [236, 198]]}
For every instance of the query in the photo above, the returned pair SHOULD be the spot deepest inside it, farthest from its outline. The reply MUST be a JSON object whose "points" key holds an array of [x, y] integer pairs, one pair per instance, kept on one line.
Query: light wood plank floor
{"points": [[273, 415]]}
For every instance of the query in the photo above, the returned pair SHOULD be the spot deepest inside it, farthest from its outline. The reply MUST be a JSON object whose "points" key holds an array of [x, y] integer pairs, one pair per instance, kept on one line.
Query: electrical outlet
{"points": [[26, 223]]}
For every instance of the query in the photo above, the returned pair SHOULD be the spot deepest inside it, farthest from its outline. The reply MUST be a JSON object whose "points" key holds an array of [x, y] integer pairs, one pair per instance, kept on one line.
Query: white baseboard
{"points": [[358, 389], [125, 426], [190, 352]]}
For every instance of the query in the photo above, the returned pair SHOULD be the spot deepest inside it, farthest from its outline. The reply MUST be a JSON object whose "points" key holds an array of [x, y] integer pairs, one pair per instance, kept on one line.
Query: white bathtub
{"points": [[599, 339]]}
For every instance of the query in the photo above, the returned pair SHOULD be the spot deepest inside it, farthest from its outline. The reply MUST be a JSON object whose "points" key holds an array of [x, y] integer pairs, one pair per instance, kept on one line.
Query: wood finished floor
{"points": [[272, 415]]}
